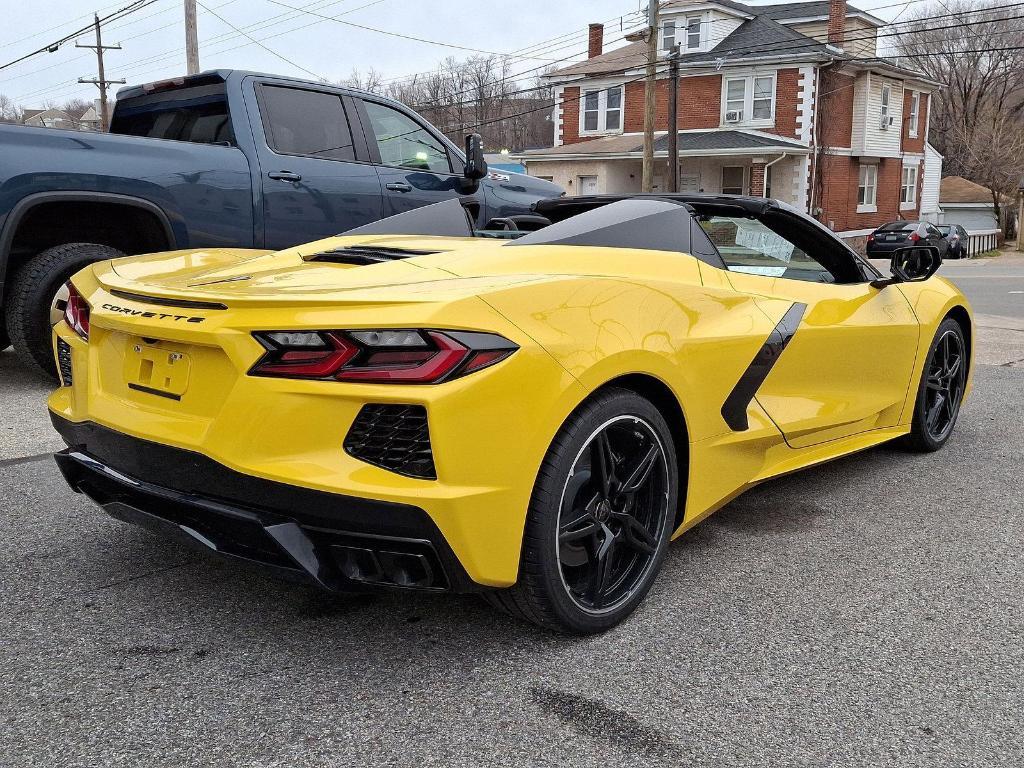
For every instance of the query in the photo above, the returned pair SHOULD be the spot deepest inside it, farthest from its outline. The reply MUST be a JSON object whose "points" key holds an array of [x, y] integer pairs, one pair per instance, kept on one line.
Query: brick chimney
{"points": [[837, 22], [595, 46]]}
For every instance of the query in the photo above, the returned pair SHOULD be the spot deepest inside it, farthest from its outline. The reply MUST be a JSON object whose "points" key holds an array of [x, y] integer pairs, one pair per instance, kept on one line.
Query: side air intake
{"points": [[363, 255], [393, 437]]}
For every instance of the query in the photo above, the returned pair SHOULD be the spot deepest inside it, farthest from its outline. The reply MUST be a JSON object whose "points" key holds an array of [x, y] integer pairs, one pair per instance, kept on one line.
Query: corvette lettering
{"points": [[158, 315]]}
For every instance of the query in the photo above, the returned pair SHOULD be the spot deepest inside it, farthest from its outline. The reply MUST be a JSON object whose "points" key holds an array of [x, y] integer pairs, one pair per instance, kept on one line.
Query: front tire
{"points": [[941, 390], [34, 301], [600, 518]]}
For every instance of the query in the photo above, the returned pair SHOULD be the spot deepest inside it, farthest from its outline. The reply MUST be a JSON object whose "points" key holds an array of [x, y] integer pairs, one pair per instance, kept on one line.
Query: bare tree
{"points": [[9, 111], [372, 81], [977, 119]]}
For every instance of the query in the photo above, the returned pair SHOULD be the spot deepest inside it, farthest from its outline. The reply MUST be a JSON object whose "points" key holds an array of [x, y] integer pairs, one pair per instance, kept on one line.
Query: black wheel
{"points": [[941, 391], [5, 340], [599, 519], [38, 295]]}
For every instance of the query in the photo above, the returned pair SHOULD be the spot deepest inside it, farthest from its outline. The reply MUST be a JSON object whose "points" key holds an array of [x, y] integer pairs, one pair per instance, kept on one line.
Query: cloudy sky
{"points": [[300, 42]]}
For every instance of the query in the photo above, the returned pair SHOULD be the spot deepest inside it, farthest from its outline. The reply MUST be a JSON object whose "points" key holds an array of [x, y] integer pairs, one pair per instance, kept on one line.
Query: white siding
{"points": [[930, 183], [868, 137], [862, 38], [721, 26]]}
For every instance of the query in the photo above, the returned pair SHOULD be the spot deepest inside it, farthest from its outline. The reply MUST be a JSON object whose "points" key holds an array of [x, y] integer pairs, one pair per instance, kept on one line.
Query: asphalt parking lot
{"points": [[865, 613]]}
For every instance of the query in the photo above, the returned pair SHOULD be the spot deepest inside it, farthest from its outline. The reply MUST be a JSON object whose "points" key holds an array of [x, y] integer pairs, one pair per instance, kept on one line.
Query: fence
{"points": [[982, 240]]}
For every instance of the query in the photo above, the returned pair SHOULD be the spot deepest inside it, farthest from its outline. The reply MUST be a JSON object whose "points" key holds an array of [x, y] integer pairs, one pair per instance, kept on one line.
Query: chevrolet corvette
{"points": [[531, 411]]}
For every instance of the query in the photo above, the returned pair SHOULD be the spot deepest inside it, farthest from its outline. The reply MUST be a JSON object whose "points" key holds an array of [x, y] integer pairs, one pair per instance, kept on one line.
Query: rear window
{"points": [[943, 229], [898, 226], [198, 115]]}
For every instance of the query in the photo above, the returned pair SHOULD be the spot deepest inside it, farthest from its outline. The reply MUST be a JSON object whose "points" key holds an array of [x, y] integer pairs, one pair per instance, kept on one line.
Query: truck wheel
{"points": [[37, 296]]}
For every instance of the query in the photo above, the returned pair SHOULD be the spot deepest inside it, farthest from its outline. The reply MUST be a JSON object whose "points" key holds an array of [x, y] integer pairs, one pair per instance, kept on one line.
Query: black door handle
{"points": [[284, 176], [398, 186]]}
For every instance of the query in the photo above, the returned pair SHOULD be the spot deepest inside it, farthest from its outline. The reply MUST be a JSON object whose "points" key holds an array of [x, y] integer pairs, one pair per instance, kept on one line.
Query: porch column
{"points": [[757, 177]]}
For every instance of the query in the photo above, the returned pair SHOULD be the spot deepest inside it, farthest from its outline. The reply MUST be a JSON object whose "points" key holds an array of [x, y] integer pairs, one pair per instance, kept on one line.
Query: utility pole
{"points": [[191, 39], [652, 65], [101, 81], [673, 120]]}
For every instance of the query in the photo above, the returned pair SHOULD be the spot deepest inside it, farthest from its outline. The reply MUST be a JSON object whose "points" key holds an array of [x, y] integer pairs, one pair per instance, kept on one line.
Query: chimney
{"points": [[596, 43], [837, 22]]}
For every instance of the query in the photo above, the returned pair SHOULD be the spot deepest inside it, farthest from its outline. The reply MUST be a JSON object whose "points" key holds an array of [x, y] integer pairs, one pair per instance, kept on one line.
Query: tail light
{"points": [[871, 237], [914, 237], [76, 312], [386, 356]]}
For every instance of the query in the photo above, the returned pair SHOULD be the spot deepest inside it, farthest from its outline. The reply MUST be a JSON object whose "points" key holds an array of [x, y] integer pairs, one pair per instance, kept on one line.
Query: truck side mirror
{"points": [[476, 165]]}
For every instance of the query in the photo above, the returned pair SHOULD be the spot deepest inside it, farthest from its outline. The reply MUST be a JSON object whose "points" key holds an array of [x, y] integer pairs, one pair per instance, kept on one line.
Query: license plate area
{"points": [[155, 369]]}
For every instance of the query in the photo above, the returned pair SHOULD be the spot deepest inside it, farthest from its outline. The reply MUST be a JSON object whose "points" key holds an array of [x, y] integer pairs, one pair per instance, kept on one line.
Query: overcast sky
{"points": [[153, 38]]}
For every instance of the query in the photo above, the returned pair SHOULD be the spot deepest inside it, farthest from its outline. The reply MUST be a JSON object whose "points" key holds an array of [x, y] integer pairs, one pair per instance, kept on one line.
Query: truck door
{"points": [[314, 185], [415, 166]]}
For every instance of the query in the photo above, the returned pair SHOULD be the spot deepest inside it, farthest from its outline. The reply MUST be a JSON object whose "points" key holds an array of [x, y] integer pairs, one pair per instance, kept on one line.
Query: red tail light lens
{"points": [[389, 356], [76, 312], [871, 237], [914, 237]]}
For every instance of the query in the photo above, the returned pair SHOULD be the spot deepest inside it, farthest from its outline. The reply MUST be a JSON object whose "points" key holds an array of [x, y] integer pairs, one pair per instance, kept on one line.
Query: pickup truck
{"points": [[219, 159]]}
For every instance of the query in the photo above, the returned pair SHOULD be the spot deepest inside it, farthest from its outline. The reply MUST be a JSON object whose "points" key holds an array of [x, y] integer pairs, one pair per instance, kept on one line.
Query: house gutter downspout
{"points": [[764, 187]]}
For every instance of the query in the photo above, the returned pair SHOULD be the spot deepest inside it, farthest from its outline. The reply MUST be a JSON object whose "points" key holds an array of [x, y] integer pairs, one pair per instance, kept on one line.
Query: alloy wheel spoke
{"points": [[639, 475], [603, 460], [602, 566], [570, 535], [636, 535], [936, 411]]}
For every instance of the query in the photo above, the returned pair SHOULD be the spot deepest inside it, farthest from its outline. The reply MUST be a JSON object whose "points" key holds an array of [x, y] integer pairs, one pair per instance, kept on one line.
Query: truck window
{"points": [[310, 123], [198, 115], [405, 143]]}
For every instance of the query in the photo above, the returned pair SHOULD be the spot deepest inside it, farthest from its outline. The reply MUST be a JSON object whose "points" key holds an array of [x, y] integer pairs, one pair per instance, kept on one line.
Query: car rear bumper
{"points": [[338, 542]]}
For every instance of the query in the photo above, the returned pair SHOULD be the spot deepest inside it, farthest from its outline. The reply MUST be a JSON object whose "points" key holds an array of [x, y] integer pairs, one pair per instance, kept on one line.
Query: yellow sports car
{"points": [[530, 411]]}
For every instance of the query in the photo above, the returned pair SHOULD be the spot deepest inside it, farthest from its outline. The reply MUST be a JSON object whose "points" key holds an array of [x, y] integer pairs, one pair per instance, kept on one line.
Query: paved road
{"points": [[862, 613]]}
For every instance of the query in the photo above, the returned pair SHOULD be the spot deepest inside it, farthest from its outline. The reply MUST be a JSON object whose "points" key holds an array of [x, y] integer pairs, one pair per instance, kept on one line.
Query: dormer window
{"points": [[668, 35], [693, 24]]}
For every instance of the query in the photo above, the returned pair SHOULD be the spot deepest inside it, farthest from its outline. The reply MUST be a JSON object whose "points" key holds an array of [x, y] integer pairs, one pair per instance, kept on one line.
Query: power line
{"points": [[52, 47], [393, 34], [261, 45]]}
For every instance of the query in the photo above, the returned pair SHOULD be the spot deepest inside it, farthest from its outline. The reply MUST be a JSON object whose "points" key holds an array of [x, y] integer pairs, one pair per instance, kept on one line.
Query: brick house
{"points": [[787, 101]]}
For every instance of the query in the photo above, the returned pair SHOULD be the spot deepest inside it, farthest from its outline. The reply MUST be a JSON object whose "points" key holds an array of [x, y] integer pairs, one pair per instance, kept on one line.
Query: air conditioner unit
{"points": [[733, 116], [886, 121]]}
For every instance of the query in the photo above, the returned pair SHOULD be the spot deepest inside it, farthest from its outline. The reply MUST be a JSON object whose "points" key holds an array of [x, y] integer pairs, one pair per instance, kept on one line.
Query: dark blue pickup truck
{"points": [[223, 158]]}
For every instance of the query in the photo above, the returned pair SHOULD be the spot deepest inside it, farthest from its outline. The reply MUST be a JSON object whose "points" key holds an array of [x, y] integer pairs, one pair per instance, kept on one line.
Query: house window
{"points": [[668, 35], [915, 110], [749, 99], [886, 93], [867, 188], [602, 110], [908, 187], [693, 32], [732, 179]]}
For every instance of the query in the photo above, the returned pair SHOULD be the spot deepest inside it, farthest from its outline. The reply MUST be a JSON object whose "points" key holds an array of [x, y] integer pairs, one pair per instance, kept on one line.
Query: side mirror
{"points": [[916, 263], [912, 265], [476, 165]]}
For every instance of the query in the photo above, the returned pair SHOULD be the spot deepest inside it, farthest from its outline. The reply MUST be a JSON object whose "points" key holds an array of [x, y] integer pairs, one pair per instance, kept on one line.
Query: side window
{"points": [[747, 245], [310, 123], [404, 142]]}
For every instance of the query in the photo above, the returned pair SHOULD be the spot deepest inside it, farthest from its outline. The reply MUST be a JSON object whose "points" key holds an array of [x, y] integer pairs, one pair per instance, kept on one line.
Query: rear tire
{"points": [[940, 392], [34, 294], [595, 540]]}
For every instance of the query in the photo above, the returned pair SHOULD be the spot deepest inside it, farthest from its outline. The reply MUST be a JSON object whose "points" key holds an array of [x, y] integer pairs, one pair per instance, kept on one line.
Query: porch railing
{"points": [[981, 240]]}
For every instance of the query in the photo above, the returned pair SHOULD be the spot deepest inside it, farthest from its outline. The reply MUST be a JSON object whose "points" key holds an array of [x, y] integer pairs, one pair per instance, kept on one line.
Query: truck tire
{"points": [[33, 301]]}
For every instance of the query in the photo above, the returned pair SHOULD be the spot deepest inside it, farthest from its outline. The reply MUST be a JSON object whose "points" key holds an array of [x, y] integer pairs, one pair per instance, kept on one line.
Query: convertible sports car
{"points": [[530, 411]]}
